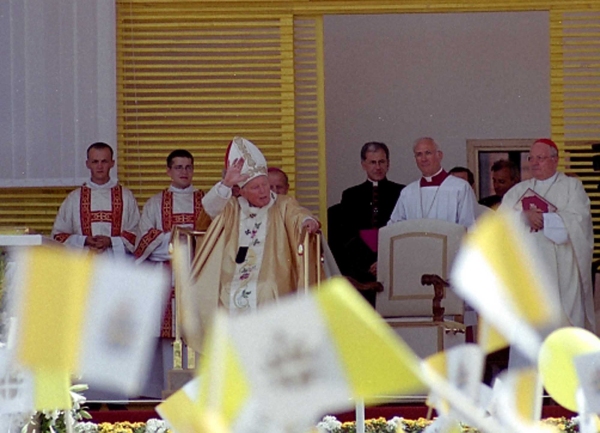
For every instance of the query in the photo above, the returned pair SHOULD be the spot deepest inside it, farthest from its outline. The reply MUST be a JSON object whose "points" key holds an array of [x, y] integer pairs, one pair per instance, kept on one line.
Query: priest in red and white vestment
{"points": [[436, 195], [248, 257], [556, 210], [101, 215], [178, 205]]}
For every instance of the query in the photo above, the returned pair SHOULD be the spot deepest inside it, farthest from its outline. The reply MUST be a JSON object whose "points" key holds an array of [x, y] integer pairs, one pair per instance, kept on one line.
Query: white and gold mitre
{"points": [[255, 163]]}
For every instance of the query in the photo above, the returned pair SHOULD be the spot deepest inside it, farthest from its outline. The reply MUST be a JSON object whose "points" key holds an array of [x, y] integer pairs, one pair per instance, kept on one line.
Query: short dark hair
{"points": [[99, 145], [374, 146], [179, 153], [460, 169], [501, 164], [278, 170]]}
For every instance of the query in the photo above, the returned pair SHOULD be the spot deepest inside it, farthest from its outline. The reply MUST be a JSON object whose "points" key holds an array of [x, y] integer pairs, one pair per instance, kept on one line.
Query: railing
{"points": [[304, 251], [193, 239]]}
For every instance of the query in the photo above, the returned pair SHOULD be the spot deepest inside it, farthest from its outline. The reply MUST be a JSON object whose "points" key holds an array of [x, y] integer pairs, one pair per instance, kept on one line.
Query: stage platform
{"points": [[143, 410]]}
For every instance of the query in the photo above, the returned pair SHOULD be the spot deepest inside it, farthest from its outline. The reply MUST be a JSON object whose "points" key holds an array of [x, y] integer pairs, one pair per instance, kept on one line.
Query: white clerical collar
{"points": [[107, 185], [374, 182], [185, 190], [429, 178], [551, 179]]}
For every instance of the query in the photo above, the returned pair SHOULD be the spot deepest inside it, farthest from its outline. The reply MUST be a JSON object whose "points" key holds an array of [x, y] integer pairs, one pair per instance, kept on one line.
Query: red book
{"points": [[532, 200]]}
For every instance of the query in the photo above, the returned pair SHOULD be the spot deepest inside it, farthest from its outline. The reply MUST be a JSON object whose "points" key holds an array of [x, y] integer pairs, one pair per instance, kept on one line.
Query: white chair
{"points": [[408, 251]]}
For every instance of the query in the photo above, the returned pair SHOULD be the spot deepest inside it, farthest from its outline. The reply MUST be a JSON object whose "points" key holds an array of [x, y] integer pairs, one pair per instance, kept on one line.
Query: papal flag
{"points": [[497, 273], [180, 413], [518, 399], [84, 314], [462, 366], [291, 362]]}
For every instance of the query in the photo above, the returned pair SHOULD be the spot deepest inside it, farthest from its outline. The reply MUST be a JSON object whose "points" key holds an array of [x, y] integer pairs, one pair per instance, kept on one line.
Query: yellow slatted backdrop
{"points": [[187, 80], [309, 108], [34, 208], [192, 74], [575, 75]]}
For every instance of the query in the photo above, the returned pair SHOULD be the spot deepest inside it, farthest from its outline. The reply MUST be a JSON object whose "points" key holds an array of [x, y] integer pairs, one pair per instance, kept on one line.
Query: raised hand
{"points": [[233, 174]]}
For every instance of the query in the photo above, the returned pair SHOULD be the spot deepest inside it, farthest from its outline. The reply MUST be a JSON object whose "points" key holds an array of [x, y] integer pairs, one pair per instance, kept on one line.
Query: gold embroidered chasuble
{"points": [[214, 266]]}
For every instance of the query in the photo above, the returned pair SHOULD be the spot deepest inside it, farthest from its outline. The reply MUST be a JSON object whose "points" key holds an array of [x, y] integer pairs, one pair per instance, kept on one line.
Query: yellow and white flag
{"points": [[488, 337], [181, 415], [293, 361], [84, 314], [587, 367], [518, 400], [497, 273], [462, 366]]}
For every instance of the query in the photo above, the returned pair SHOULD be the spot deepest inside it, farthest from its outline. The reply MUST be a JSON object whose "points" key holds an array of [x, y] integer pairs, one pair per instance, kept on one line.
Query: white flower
{"points": [[329, 424], [154, 425], [52, 415], [86, 427], [77, 398], [394, 423], [80, 387]]}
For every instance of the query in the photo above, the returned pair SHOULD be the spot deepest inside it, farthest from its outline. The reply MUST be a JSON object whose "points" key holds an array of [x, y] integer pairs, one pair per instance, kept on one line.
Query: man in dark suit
{"points": [[505, 175], [364, 209]]}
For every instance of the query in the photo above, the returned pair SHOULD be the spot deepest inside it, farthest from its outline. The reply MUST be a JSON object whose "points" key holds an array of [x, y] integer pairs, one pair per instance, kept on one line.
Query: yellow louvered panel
{"points": [[35, 208], [309, 126], [575, 84], [579, 162], [221, 7], [190, 79], [576, 74]]}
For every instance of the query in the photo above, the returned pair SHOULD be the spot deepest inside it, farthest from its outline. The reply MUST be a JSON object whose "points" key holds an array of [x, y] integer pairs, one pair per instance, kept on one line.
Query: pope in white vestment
{"points": [[100, 215], [249, 254], [436, 195], [563, 236]]}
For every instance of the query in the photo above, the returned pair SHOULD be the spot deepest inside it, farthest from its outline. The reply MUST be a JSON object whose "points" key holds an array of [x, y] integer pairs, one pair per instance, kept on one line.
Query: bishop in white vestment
{"points": [[560, 225]]}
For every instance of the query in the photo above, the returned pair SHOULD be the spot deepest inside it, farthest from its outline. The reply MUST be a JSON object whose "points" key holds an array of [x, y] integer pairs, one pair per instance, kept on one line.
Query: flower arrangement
{"points": [[330, 424], [56, 421], [151, 426]]}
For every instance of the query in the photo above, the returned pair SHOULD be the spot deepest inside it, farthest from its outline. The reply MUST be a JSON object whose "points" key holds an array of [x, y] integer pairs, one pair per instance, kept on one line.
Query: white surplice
{"points": [[565, 244], [91, 210], [452, 201]]}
